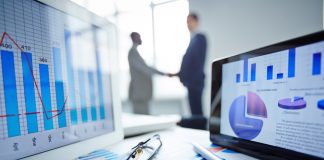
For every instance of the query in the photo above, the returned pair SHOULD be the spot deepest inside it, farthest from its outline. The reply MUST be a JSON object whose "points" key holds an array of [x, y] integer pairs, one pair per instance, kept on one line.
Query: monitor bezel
{"points": [[256, 149], [76, 149]]}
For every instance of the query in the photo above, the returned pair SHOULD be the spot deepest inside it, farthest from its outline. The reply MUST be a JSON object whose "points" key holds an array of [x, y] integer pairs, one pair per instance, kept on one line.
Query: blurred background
{"points": [[162, 25], [231, 26]]}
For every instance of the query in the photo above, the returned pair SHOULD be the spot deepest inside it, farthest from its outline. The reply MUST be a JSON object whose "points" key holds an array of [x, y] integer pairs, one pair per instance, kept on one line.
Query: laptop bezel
{"points": [[256, 149]]}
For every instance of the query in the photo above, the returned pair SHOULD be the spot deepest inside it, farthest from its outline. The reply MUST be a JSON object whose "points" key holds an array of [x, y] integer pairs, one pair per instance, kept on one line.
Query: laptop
{"points": [[271, 100], [58, 95]]}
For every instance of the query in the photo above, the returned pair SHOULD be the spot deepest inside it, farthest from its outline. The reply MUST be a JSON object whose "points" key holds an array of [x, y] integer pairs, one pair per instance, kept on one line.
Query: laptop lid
{"points": [[57, 81], [271, 100]]}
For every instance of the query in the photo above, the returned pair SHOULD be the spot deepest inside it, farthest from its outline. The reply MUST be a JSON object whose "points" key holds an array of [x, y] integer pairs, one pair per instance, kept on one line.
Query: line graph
{"points": [[59, 112]]}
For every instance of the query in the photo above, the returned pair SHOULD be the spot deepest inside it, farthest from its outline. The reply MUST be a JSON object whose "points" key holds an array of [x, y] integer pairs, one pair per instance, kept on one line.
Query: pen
{"points": [[205, 153]]}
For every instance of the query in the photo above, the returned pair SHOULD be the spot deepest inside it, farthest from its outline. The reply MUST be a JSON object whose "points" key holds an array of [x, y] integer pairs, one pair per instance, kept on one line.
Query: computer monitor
{"points": [[272, 100], [57, 80]]}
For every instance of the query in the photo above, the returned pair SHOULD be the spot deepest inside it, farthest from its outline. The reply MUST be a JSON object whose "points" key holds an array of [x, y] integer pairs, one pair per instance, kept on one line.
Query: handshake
{"points": [[171, 74]]}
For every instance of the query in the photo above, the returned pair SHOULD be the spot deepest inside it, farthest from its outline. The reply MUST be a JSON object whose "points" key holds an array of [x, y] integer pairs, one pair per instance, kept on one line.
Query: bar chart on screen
{"points": [[285, 69], [43, 91], [52, 85]]}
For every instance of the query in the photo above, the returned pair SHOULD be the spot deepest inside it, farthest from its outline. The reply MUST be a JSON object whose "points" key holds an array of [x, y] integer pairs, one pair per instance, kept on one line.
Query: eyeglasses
{"points": [[146, 150]]}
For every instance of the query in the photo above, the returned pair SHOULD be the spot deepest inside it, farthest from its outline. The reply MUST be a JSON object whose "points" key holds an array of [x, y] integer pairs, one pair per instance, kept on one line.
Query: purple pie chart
{"points": [[247, 127], [292, 104], [320, 104]]}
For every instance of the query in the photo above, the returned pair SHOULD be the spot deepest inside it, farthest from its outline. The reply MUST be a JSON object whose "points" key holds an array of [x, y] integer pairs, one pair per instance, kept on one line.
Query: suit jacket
{"points": [[140, 87], [192, 67]]}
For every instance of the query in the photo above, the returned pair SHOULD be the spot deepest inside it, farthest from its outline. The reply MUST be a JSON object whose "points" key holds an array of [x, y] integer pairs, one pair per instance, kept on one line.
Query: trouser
{"points": [[195, 96], [141, 106], [197, 120]]}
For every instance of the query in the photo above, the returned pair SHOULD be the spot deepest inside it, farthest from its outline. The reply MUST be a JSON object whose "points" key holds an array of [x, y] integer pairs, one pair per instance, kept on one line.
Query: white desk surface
{"points": [[176, 143]]}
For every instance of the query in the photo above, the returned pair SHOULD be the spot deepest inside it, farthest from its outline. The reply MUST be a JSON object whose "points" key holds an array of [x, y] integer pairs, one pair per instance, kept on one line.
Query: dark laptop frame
{"points": [[255, 149]]}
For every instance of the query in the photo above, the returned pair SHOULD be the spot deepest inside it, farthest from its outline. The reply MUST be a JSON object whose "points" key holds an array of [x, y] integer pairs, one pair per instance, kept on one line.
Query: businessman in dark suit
{"points": [[191, 73]]}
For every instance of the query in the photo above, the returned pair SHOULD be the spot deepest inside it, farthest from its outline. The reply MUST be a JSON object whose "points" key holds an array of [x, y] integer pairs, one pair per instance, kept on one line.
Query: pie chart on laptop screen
{"points": [[247, 127]]}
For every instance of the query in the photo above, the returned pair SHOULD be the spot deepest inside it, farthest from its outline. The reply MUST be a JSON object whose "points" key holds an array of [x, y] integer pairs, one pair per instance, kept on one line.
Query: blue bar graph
{"points": [[29, 92], [269, 72], [84, 113], [59, 87], [253, 72], [280, 76], [92, 96], [291, 62], [100, 88], [70, 76], [317, 63], [10, 93], [245, 70], [238, 78], [46, 96]]}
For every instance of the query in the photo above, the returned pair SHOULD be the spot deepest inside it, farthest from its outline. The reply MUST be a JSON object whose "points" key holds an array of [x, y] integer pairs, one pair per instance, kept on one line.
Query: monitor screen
{"points": [[55, 81], [275, 96]]}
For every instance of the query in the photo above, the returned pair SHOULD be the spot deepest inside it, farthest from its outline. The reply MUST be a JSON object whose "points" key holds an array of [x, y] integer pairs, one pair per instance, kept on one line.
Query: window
{"points": [[171, 40]]}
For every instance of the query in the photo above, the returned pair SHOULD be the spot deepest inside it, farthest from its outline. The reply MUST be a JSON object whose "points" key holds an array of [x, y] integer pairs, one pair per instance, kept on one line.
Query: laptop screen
{"points": [[275, 96], [54, 79]]}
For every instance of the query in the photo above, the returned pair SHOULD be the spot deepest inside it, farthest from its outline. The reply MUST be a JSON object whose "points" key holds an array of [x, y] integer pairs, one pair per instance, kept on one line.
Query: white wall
{"points": [[236, 26]]}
